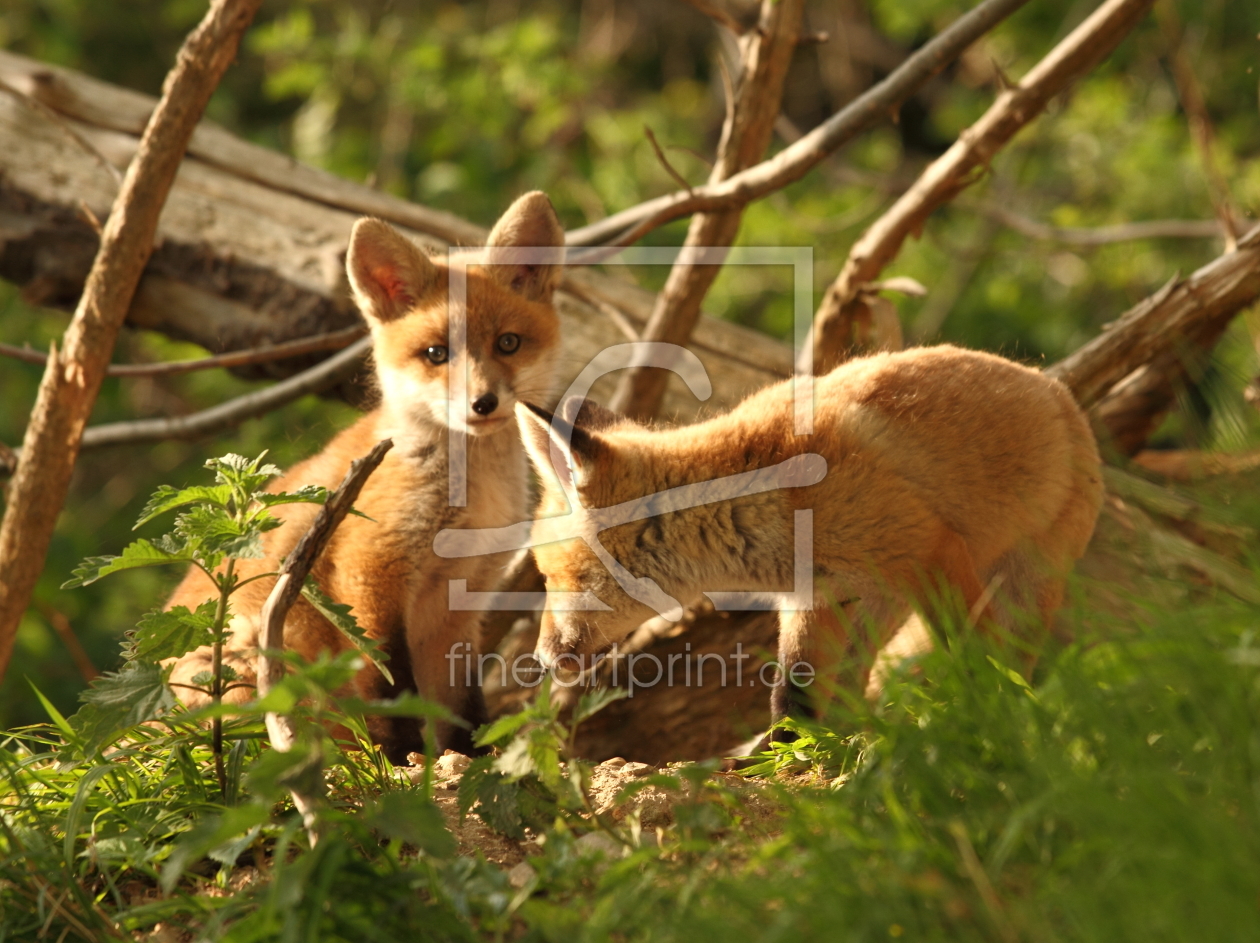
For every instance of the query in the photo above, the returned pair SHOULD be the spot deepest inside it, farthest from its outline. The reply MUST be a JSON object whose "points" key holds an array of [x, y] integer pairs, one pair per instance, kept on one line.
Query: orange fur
{"points": [[950, 472], [385, 568]]}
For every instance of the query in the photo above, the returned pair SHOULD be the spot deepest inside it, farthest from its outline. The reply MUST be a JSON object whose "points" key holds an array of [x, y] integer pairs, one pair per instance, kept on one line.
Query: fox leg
{"points": [[445, 662], [829, 651]]}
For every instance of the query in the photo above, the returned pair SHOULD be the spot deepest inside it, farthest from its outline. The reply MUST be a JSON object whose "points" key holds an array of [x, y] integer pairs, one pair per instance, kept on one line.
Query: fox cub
{"points": [[385, 567], [947, 472]]}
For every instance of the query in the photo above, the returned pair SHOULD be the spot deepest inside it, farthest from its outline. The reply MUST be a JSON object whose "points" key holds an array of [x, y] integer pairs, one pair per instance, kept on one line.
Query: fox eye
{"points": [[437, 354], [508, 343]]}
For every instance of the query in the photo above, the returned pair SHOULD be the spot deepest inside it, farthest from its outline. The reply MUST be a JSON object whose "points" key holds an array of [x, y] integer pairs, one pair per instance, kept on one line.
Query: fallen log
{"points": [[250, 247]]}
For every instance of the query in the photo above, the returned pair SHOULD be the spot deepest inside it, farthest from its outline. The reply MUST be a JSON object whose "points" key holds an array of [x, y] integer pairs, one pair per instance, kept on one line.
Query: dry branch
{"points": [[878, 104], [297, 566], [844, 313], [1179, 312], [765, 54], [232, 413], [331, 340], [229, 414], [1128, 374], [1089, 237], [71, 380]]}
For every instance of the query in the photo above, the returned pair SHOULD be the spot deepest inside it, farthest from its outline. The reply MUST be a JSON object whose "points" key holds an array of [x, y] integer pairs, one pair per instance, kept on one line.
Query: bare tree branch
{"points": [[296, 567], [1092, 237], [1219, 290], [331, 340], [226, 415], [843, 314], [765, 56], [878, 104], [71, 381], [1128, 374], [233, 412]]}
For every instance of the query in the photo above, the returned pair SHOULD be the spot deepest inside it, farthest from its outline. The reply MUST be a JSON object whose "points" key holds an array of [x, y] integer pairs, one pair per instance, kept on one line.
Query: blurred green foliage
{"points": [[464, 105]]}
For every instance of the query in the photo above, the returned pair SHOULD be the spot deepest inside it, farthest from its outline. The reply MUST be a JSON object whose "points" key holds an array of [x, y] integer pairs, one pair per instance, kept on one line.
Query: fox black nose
{"points": [[485, 404]]}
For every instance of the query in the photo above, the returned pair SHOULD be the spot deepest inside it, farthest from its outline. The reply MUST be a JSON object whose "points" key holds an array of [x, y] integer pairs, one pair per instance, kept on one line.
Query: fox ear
{"points": [[525, 250], [558, 447], [388, 273], [588, 414]]}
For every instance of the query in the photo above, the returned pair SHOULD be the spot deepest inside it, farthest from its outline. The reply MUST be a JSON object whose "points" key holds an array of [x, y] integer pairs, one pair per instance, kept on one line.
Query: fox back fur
{"points": [[385, 567], [948, 472]]}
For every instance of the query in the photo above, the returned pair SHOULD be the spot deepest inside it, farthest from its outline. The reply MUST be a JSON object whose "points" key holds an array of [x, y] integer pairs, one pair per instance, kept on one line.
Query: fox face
{"points": [[490, 342]]}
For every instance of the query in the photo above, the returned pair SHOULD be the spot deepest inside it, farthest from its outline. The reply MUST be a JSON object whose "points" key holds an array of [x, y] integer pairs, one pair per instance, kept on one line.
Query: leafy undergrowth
{"points": [[1117, 798]]}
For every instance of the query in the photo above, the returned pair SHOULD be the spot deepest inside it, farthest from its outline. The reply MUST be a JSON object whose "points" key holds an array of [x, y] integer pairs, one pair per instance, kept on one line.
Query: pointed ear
{"points": [[530, 226], [588, 414], [558, 447], [388, 273]]}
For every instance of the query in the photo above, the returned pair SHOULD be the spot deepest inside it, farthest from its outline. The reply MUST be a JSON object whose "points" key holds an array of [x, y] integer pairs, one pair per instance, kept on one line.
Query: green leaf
{"points": [[308, 494], [167, 498], [244, 474], [57, 718], [137, 554], [594, 701], [300, 769], [496, 797], [339, 615], [407, 815], [120, 700], [502, 729], [75, 814], [212, 835], [170, 633], [210, 531]]}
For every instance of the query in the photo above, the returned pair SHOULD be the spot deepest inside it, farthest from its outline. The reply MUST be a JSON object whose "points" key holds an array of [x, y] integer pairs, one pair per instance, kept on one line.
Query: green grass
{"points": [[1117, 799]]}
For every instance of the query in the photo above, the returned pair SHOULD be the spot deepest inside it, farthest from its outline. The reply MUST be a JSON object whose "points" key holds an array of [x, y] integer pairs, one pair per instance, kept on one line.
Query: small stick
{"points": [[332, 340], [660, 155], [280, 728]]}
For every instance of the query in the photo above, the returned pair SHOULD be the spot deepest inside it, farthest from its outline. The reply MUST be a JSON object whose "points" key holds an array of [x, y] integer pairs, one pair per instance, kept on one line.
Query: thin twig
{"points": [[874, 106], [660, 155], [1091, 237], [233, 412], [297, 566], [72, 380], [331, 340], [842, 318]]}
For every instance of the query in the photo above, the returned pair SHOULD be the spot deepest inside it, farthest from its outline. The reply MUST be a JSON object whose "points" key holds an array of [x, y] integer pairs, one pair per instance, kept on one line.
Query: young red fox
{"points": [[385, 567], [947, 472]]}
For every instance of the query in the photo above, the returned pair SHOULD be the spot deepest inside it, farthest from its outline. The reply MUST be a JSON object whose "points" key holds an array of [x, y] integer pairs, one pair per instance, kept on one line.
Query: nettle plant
{"points": [[218, 526]]}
